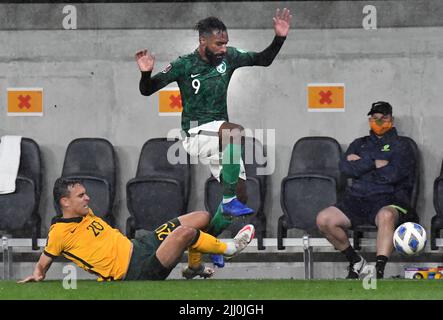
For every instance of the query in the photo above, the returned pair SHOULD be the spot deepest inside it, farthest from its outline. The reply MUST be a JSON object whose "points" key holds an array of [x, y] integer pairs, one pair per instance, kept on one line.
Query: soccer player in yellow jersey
{"points": [[93, 245]]}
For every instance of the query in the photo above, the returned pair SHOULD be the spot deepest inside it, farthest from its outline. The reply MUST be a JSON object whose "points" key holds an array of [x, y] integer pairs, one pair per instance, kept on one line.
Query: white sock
{"points": [[230, 248], [227, 200]]}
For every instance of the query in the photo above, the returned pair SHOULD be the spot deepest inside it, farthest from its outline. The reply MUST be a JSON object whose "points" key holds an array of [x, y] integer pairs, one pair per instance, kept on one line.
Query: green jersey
{"points": [[203, 87]]}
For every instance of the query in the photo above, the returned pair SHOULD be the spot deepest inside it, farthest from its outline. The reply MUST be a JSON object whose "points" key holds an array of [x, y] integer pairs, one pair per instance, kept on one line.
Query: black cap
{"points": [[380, 107]]}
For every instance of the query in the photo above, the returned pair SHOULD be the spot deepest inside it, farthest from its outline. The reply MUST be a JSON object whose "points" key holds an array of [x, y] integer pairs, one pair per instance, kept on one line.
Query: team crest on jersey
{"points": [[221, 68], [168, 67]]}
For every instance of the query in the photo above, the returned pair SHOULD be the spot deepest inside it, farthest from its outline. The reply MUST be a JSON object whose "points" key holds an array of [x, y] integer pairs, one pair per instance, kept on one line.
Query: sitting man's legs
{"points": [[333, 224], [386, 221]]}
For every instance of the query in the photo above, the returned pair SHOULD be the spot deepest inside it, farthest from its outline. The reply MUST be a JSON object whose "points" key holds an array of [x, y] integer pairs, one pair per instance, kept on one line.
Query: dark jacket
{"points": [[396, 178]]}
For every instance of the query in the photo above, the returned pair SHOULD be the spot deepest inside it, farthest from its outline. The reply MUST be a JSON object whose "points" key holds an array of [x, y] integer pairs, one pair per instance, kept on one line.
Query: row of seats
{"points": [[160, 190], [315, 182]]}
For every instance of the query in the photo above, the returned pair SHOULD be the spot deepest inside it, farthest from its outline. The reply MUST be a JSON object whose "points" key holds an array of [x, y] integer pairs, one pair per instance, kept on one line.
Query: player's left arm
{"points": [[282, 24]]}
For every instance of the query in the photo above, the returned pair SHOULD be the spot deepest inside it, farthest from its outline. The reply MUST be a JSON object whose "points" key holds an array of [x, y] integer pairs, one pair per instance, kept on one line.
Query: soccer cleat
{"points": [[236, 208], [357, 269], [242, 239], [380, 273], [218, 260], [202, 271]]}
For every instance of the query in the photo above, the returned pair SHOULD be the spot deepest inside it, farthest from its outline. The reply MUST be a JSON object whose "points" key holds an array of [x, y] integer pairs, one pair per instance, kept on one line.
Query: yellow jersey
{"points": [[92, 244]]}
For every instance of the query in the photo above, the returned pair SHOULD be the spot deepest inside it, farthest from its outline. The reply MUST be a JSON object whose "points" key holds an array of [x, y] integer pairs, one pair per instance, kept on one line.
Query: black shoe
{"points": [[356, 269], [380, 274], [202, 272]]}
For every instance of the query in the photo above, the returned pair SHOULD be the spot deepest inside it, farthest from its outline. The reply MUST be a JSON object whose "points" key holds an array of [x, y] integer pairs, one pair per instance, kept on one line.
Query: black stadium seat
{"points": [[437, 220], [19, 214], [93, 161], [313, 183], [160, 189]]}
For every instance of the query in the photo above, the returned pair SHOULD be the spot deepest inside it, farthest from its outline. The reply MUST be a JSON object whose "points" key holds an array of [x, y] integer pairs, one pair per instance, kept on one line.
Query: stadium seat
{"points": [[160, 189], [19, 216], [437, 220], [312, 184], [254, 157], [358, 231], [93, 161]]}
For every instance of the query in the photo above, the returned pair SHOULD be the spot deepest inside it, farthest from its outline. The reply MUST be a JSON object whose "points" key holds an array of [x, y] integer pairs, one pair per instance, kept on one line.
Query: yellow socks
{"points": [[194, 258], [209, 244]]}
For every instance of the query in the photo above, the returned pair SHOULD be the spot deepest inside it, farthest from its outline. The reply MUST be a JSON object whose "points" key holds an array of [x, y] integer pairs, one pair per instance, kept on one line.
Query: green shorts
{"points": [[144, 264]]}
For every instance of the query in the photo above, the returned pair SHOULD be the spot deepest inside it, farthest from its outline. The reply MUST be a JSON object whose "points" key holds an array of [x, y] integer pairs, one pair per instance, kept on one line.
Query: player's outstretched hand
{"points": [[31, 279], [282, 22], [145, 60]]}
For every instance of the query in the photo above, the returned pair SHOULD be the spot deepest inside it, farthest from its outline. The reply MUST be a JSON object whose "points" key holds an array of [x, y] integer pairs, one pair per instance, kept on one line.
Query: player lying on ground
{"points": [[93, 245]]}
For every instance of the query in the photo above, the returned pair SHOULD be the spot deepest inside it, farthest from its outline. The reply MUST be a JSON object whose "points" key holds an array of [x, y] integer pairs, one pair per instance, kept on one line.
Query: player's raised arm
{"points": [[145, 60], [148, 83], [40, 269], [282, 22]]}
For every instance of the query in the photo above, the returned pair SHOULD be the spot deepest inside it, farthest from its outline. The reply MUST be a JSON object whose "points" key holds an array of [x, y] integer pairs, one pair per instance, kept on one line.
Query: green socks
{"points": [[218, 223], [229, 179], [230, 169]]}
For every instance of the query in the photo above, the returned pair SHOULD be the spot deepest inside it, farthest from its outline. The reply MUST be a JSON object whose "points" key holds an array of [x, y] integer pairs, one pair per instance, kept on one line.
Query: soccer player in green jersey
{"points": [[203, 77]]}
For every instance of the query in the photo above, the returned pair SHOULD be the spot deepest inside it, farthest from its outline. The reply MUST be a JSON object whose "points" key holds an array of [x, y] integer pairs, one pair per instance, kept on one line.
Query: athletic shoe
{"points": [[357, 269], [242, 239], [380, 274], [218, 260], [202, 271], [236, 208]]}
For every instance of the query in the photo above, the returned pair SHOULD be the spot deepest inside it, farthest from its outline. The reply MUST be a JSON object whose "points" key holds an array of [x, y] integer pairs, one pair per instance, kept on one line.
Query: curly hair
{"points": [[206, 26]]}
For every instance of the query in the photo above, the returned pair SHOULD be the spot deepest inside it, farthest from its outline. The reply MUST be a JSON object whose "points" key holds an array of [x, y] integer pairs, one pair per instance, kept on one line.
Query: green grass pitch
{"points": [[226, 290]]}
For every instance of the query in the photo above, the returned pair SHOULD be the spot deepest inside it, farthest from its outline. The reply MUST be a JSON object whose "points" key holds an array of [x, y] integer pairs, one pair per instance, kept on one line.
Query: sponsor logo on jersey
{"points": [[221, 68], [168, 67], [195, 75], [386, 148]]}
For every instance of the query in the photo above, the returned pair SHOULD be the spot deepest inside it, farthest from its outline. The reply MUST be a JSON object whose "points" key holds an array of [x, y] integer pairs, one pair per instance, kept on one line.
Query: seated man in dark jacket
{"points": [[381, 166]]}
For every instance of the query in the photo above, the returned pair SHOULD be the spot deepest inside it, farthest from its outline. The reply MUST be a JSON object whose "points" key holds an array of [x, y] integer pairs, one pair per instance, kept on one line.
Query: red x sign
{"points": [[24, 101], [176, 101], [326, 97]]}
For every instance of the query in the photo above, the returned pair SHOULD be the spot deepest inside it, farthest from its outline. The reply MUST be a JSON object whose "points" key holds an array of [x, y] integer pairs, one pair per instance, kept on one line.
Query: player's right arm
{"points": [[148, 85], [53, 249], [40, 269], [353, 164]]}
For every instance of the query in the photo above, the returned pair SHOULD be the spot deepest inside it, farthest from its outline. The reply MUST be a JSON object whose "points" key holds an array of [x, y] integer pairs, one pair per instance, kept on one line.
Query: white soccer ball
{"points": [[409, 238]]}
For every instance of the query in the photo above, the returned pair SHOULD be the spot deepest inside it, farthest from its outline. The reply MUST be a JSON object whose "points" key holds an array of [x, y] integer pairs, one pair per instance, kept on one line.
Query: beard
{"points": [[214, 59]]}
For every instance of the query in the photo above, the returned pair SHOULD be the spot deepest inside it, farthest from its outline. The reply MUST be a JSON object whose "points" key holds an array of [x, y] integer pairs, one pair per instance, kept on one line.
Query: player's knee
{"points": [[232, 134], [205, 217], [237, 132], [386, 216], [185, 234], [323, 219]]}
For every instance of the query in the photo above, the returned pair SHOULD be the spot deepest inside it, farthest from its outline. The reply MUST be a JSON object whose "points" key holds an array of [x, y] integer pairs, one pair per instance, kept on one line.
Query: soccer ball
{"points": [[409, 238]]}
